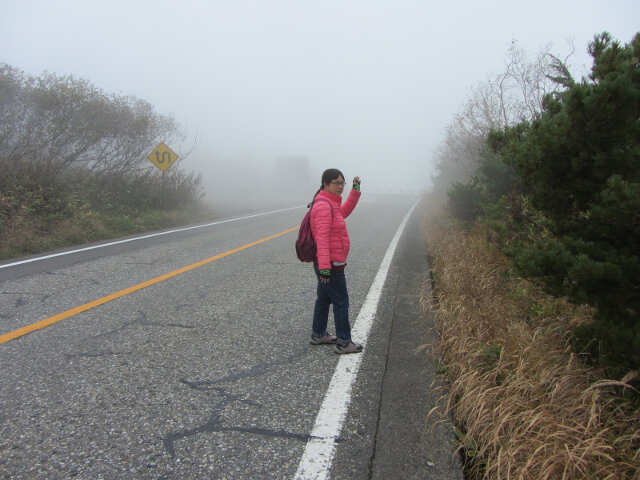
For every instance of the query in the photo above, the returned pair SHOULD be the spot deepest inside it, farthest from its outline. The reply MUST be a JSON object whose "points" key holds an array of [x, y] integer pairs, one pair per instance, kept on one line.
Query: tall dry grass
{"points": [[524, 406]]}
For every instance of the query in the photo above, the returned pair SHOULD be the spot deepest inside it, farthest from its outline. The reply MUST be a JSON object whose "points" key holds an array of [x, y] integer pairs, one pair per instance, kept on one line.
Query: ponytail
{"points": [[314, 197]]}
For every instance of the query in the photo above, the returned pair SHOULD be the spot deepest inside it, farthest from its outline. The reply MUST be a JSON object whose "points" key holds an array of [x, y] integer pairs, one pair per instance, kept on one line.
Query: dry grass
{"points": [[524, 406]]}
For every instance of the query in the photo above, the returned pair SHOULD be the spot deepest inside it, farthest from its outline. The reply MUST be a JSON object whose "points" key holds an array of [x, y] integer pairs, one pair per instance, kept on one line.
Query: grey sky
{"points": [[365, 86]]}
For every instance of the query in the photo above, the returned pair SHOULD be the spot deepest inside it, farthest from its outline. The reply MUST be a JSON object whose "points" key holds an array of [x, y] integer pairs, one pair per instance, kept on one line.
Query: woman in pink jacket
{"points": [[332, 241]]}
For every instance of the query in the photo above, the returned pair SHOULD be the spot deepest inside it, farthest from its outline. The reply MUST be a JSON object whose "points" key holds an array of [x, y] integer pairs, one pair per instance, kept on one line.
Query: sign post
{"points": [[163, 157]]}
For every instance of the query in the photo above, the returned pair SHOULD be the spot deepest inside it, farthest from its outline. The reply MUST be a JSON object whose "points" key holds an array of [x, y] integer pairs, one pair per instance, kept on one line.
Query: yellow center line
{"points": [[96, 303]]}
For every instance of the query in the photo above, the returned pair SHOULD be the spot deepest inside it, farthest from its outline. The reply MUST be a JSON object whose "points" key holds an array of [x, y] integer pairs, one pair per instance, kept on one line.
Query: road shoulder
{"points": [[407, 446], [386, 434]]}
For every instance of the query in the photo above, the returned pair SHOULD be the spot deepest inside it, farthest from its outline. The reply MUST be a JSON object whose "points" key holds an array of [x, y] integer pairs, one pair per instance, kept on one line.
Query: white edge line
{"points": [[320, 449], [94, 247]]}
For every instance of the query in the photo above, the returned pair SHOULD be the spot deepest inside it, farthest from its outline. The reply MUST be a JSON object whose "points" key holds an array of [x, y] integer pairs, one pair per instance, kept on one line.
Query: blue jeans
{"points": [[334, 292]]}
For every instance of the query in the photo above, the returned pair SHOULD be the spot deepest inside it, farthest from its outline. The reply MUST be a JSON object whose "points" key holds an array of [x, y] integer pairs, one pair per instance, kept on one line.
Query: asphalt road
{"points": [[209, 373]]}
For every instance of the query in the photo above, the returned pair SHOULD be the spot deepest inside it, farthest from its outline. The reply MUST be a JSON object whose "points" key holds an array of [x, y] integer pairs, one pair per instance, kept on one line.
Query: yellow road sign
{"points": [[163, 157]]}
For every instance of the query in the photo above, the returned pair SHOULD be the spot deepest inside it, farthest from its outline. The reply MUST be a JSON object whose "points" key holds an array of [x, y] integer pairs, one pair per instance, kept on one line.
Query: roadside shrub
{"points": [[580, 163], [465, 201], [39, 214]]}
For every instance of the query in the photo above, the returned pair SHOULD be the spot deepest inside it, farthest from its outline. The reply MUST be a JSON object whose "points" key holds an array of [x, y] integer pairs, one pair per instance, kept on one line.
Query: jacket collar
{"points": [[330, 196]]}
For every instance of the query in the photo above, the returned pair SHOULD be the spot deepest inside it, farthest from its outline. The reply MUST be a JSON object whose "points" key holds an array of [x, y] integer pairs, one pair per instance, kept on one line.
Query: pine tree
{"points": [[580, 162]]}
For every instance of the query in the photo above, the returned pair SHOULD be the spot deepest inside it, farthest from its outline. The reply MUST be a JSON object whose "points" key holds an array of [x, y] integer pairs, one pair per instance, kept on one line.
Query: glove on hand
{"points": [[325, 273]]}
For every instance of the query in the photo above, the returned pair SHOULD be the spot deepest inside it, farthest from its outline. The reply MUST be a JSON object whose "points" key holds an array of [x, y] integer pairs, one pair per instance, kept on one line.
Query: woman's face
{"points": [[335, 186]]}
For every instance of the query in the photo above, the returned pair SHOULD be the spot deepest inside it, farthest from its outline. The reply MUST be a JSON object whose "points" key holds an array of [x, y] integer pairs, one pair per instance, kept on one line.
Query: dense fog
{"points": [[364, 86]]}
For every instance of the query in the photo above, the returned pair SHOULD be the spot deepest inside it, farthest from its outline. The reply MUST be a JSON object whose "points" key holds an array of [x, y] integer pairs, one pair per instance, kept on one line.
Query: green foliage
{"points": [[41, 214], [580, 166], [493, 181], [465, 201], [489, 355], [468, 443]]}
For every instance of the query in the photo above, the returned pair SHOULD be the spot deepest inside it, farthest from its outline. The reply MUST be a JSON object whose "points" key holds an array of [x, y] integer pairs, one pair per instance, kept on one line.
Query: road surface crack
{"points": [[214, 424], [142, 321]]}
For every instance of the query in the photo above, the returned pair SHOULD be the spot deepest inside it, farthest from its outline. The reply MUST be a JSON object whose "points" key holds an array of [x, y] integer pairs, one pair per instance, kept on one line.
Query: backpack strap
{"points": [[324, 200]]}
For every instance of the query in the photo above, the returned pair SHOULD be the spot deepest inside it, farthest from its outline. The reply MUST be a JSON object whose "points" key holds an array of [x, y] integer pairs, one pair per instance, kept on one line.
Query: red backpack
{"points": [[305, 244]]}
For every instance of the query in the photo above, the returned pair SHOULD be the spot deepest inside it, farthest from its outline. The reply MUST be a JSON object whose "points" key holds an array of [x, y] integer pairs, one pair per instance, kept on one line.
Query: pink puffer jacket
{"points": [[329, 228]]}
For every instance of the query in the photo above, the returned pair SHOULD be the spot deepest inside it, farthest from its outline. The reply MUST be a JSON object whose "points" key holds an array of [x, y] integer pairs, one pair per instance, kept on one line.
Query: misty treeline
{"points": [[550, 166], [70, 151]]}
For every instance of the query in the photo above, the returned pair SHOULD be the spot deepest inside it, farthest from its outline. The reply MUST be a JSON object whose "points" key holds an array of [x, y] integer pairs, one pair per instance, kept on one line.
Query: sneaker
{"points": [[326, 339], [350, 347]]}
